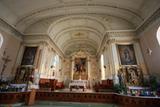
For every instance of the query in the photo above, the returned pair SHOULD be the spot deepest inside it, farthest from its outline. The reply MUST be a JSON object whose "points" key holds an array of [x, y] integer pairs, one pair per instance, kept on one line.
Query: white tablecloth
{"points": [[18, 85], [78, 83]]}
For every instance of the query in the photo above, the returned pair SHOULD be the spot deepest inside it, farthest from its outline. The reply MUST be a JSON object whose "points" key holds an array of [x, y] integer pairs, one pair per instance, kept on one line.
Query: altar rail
{"points": [[122, 100], [13, 97], [9, 98]]}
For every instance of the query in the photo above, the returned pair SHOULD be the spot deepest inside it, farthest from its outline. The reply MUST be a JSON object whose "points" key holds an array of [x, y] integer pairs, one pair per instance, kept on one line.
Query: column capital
{"points": [[110, 41]]}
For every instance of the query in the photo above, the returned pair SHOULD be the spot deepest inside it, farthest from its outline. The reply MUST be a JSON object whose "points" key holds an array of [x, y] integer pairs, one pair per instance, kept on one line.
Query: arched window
{"points": [[158, 35], [1, 40], [102, 67], [56, 62]]}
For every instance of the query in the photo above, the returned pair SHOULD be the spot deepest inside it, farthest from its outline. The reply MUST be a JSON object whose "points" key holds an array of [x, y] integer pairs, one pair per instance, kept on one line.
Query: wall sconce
{"points": [[149, 51]]}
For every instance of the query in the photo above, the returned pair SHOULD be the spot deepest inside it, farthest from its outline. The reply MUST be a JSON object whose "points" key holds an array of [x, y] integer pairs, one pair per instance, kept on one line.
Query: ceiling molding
{"points": [[72, 17], [148, 21], [10, 29], [72, 42], [73, 5], [94, 15], [75, 17], [87, 46], [41, 13], [82, 28], [102, 43]]}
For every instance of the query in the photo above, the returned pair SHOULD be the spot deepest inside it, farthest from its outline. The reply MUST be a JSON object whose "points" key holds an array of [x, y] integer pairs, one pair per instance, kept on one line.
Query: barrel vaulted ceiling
{"points": [[76, 24]]}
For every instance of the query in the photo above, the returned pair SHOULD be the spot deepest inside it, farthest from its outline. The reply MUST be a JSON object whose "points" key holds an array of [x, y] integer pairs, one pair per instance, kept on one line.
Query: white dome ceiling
{"points": [[76, 24], [26, 12]]}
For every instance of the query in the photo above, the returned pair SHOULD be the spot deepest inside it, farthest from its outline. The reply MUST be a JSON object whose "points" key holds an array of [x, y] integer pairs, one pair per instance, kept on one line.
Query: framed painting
{"points": [[127, 54], [80, 64], [29, 55]]}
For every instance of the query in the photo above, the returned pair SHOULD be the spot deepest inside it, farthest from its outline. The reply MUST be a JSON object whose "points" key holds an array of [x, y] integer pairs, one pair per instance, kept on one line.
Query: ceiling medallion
{"points": [[79, 35]]}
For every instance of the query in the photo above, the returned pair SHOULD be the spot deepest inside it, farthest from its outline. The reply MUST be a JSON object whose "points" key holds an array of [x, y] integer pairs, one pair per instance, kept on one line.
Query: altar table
{"points": [[77, 84]]}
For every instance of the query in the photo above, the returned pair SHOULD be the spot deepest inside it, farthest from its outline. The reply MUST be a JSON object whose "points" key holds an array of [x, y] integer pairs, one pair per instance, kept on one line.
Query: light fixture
{"points": [[149, 51]]}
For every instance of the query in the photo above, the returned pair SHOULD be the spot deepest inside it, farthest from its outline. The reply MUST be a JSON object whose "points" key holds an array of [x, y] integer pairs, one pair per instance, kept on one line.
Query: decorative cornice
{"points": [[42, 39], [110, 41], [121, 33], [127, 41], [148, 21], [10, 29], [102, 43]]}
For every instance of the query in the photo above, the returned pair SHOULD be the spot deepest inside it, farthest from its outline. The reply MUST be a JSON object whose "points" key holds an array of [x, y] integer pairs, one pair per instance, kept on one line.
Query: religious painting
{"points": [[29, 56], [127, 54], [80, 64]]}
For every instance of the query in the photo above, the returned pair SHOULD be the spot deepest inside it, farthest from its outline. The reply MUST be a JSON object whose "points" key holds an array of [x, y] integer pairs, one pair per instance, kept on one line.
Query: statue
{"points": [[36, 77]]}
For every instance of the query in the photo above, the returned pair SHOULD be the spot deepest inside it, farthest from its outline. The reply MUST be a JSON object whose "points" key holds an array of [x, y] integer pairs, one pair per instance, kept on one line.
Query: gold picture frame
{"points": [[127, 54]]}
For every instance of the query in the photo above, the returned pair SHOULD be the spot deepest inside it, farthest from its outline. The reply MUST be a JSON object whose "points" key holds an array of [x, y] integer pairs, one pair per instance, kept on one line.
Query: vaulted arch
{"points": [[77, 32]]}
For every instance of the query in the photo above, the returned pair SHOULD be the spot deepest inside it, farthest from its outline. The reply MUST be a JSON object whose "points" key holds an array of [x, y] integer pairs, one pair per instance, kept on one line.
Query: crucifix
{"points": [[5, 60]]}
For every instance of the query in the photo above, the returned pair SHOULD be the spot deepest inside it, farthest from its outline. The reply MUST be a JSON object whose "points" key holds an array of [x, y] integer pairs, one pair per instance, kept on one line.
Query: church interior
{"points": [[96, 51]]}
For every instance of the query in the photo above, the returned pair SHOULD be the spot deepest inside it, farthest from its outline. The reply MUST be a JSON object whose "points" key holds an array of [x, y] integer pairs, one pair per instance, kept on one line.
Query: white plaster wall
{"points": [[66, 70], [11, 45], [148, 39], [95, 74]]}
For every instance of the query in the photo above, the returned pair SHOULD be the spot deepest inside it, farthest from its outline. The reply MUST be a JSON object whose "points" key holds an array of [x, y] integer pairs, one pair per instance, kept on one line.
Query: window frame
{"points": [[158, 35], [1, 40]]}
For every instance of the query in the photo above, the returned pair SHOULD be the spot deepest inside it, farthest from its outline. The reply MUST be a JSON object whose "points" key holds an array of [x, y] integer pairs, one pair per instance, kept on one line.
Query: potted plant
{"points": [[120, 88], [153, 84]]}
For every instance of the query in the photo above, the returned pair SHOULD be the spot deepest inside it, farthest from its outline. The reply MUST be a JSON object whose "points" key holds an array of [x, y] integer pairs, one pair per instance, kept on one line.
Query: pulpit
{"points": [[105, 84], [47, 84]]}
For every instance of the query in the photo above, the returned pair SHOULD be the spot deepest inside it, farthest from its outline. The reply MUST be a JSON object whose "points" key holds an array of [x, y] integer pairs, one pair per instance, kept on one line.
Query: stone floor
{"points": [[81, 90], [69, 104], [75, 90]]}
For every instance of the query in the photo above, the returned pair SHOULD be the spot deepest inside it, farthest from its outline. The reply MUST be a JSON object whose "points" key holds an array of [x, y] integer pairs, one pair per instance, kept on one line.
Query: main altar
{"points": [[82, 84], [80, 66]]}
